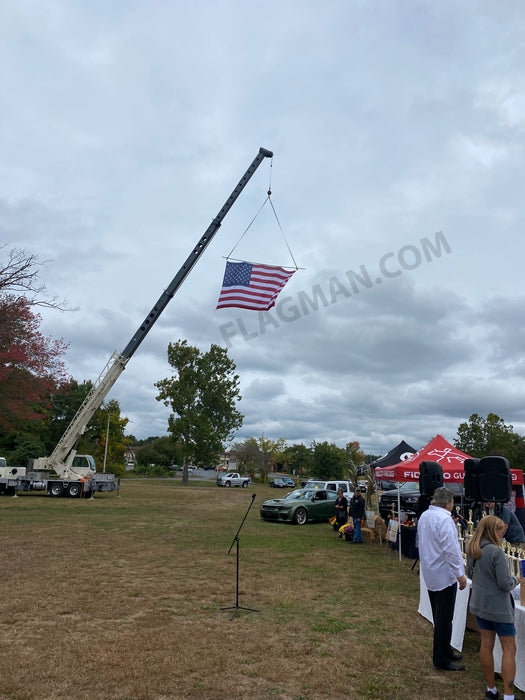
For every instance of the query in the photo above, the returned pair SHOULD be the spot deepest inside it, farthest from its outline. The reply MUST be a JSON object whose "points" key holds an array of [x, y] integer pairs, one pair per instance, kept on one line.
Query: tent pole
{"points": [[378, 514], [399, 518]]}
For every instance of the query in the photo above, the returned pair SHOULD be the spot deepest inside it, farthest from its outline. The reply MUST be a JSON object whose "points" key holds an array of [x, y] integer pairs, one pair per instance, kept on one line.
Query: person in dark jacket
{"points": [[513, 530], [357, 513], [491, 602], [341, 510]]}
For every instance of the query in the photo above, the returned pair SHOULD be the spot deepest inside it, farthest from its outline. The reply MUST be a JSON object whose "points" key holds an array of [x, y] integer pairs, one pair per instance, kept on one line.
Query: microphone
{"points": [[253, 496]]}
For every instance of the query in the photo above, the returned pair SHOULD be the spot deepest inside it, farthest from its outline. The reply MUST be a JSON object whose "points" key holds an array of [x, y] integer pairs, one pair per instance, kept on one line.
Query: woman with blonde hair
{"points": [[492, 603]]}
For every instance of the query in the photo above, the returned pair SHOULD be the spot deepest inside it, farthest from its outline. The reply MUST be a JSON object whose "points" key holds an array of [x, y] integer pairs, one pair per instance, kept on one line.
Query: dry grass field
{"points": [[121, 598]]}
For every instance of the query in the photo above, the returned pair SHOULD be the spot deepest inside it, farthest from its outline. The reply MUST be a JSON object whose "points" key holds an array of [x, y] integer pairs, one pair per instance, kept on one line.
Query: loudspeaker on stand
{"points": [[495, 483], [430, 477]]}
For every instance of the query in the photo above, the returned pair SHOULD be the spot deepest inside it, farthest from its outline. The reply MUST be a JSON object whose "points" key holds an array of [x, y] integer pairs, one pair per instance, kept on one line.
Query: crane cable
{"points": [[268, 199], [228, 257]]}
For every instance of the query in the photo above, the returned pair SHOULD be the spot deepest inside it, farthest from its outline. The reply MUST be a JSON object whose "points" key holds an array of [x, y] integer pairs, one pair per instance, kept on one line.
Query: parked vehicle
{"points": [[233, 479], [278, 484], [190, 470], [77, 480], [409, 496], [301, 506], [386, 485], [288, 481], [345, 486]]}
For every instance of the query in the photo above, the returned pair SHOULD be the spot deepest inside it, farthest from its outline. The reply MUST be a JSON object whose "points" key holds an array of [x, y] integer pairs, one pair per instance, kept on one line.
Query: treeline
{"points": [[37, 436], [261, 456], [477, 437]]}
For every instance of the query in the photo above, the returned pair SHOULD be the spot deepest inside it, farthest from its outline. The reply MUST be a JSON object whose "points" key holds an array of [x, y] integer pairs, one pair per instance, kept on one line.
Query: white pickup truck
{"points": [[233, 479]]}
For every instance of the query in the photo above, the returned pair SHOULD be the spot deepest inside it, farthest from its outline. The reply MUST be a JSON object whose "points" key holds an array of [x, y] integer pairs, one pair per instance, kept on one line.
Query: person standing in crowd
{"points": [[513, 530], [341, 510], [491, 603], [357, 513], [442, 569]]}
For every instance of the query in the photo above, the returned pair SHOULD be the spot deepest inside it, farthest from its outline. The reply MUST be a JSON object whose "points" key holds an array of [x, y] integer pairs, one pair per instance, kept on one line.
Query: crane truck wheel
{"points": [[74, 490], [56, 489]]}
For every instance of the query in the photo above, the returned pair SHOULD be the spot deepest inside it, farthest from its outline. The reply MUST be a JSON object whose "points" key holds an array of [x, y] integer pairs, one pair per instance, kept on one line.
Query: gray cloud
{"points": [[125, 129]]}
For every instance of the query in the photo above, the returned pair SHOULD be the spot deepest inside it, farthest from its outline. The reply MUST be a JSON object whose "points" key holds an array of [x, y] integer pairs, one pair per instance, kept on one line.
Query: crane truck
{"points": [[76, 474]]}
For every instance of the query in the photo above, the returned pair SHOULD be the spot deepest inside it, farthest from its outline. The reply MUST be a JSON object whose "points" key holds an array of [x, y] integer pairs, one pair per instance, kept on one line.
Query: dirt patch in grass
{"points": [[121, 599]]}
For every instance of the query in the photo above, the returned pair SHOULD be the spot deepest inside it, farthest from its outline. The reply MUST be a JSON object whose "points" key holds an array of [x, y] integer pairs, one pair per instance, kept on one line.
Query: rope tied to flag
{"points": [[249, 285]]}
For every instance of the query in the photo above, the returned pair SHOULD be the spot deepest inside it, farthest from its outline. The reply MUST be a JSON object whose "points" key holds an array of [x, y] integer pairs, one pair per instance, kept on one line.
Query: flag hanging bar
{"points": [[186, 268]]}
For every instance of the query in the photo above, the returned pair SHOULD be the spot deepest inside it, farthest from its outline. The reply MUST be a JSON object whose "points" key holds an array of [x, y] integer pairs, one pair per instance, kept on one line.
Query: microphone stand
{"points": [[236, 542]]}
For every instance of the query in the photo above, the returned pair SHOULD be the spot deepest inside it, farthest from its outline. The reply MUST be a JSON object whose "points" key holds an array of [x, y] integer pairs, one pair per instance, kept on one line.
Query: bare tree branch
{"points": [[19, 273]]}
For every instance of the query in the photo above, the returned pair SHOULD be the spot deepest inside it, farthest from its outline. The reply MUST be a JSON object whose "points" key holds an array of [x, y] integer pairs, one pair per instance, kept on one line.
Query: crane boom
{"points": [[61, 459], [193, 257]]}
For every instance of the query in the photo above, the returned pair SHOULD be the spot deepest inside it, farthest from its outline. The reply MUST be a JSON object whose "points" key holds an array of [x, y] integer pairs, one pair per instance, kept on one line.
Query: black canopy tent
{"points": [[397, 454]]}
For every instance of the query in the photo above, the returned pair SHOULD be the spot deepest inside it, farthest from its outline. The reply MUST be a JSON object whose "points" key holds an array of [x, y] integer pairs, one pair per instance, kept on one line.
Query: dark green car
{"points": [[300, 507]]}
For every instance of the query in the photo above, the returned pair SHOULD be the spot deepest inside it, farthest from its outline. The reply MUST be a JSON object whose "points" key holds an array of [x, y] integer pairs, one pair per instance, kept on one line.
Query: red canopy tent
{"points": [[437, 450], [451, 460]]}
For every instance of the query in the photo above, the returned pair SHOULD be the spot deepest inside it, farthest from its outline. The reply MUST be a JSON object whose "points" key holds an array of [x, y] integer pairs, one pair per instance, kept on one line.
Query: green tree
{"points": [[203, 395], [65, 402], [94, 439], [298, 459], [38, 439], [328, 460], [259, 455], [480, 437], [248, 458], [354, 458], [471, 436], [160, 451], [26, 445]]}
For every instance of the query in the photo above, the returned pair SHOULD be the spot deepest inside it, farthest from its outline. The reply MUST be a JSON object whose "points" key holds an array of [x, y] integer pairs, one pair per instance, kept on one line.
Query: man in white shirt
{"points": [[442, 568]]}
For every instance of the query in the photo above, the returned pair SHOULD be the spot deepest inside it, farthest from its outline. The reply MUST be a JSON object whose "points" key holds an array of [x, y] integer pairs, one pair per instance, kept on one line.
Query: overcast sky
{"points": [[126, 125]]}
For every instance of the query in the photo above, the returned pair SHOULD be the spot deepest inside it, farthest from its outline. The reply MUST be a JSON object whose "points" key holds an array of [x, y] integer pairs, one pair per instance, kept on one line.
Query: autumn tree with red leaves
{"points": [[37, 398], [31, 366]]}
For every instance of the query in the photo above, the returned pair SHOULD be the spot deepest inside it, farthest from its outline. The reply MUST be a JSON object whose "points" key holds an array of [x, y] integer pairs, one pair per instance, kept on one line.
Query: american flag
{"points": [[250, 286]]}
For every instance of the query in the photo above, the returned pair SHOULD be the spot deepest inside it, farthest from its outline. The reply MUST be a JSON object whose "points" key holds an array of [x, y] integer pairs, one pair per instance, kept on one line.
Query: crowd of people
{"points": [[443, 571], [355, 511]]}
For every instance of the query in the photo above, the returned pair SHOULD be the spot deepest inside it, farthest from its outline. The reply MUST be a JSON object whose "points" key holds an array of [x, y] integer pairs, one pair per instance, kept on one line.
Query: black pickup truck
{"points": [[409, 497]]}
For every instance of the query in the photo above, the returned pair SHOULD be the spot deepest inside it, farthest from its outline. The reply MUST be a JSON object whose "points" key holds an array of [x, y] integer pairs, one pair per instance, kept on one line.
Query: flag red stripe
{"points": [[255, 306], [248, 292]]}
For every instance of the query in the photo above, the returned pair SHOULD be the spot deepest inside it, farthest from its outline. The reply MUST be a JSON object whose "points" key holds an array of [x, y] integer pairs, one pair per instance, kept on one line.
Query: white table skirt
{"points": [[519, 621], [460, 611]]}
